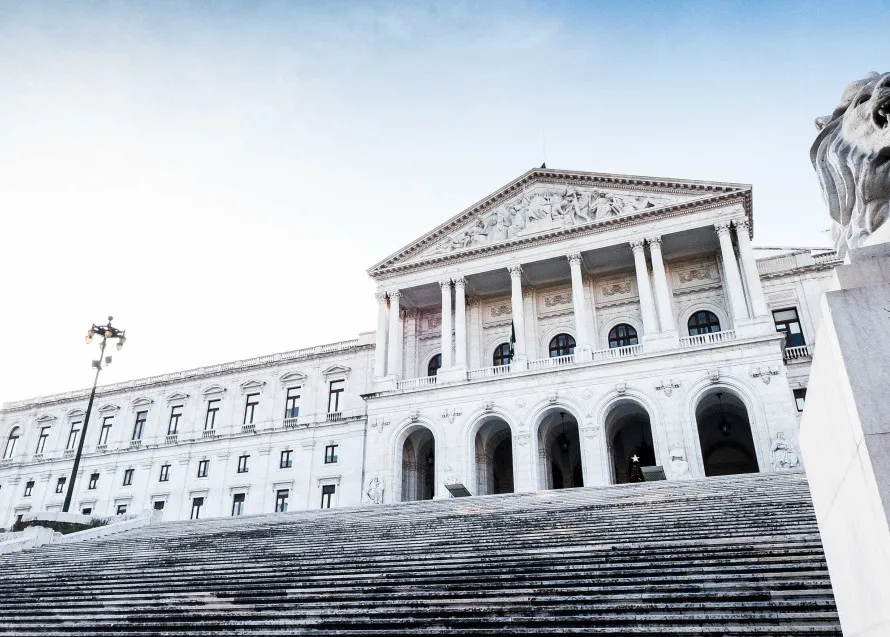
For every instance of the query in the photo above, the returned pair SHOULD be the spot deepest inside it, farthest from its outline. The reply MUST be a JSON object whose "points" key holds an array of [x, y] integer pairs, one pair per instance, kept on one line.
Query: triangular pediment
{"points": [[543, 202]]}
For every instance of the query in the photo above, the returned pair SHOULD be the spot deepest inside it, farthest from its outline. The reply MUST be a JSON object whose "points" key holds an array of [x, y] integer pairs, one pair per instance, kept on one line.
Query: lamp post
{"points": [[105, 332]]}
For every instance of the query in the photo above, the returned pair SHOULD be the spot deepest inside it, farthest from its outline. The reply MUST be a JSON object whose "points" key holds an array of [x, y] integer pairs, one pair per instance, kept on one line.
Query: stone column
{"points": [[647, 305], [460, 322], [519, 352], [446, 323], [731, 272], [582, 343], [395, 335], [662, 292], [749, 268], [380, 345]]}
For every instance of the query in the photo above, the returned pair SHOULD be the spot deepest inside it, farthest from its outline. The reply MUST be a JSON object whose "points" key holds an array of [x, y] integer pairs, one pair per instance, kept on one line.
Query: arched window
{"points": [[622, 335], [502, 355], [10, 444], [562, 345], [703, 322], [435, 363]]}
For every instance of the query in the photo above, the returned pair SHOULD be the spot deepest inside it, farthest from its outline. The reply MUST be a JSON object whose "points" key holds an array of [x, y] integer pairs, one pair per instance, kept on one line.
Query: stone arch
{"points": [[558, 454], [629, 428], [492, 462], [13, 433], [491, 345], [698, 306], [427, 358], [552, 332], [606, 327], [413, 442]]}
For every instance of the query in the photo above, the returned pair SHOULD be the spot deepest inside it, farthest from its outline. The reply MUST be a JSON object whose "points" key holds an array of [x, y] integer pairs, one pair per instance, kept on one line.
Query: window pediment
{"points": [[141, 403], [214, 390], [252, 386], [177, 396], [74, 413], [109, 409], [45, 419], [293, 378], [336, 370]]}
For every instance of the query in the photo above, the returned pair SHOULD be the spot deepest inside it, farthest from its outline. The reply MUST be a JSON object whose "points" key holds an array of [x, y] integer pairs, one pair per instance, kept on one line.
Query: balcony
{"points": [[171, 439], [707, 339], [209, 433], [489, 372], [38, 456], [136, 444], [248, 429], [101, 448], [68, 453], [416, 383], [291, 423], [613, 353], [798, 352], [334, 416], [555, 361]]}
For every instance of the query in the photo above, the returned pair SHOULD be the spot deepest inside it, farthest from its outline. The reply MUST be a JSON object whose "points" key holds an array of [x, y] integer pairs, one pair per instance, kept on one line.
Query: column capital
{"points": [[742, 224], [394, 295], [380, 295], [721, 228], [574, 258], [445, 284], [654, 241], [515, 270], [460, 282], [637, 245]]}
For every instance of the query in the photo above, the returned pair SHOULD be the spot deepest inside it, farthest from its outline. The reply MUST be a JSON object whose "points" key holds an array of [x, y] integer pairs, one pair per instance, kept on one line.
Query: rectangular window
{"points": [[210, 418], [159, 505], [175, 415], [250, 407], [286, 462], [41, 442], [242, 464], [787, 323], [165, 473], [800, 398], [60, 485], [281, 501], [10, 447], [292, 404], [72, 436], [121, 509], [94, 480], [197, 503], [29, 486], [330, 454], [238, 504], [327, 494], [139, 426], [86, 510], [106, 429], [335, 390], [128, 477], [203, 468]]}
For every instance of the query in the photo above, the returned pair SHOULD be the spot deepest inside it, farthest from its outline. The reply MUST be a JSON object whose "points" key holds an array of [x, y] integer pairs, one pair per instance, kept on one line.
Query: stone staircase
{"points": [[738, 555]]}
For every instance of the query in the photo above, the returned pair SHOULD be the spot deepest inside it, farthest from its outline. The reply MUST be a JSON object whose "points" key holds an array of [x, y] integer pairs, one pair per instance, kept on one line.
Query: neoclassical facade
{"points": [[540, 339]]}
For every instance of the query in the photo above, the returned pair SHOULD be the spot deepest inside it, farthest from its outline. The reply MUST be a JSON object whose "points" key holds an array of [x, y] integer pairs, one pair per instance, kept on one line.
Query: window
{"points": [[703, 322], [60, 485], [562, 345], [286, 462], [250, 407], [435, 363], [165, 473], [242, 464], [203, 468], [10, 444], [800, 398], [159, 505], [787, 323], [327, 494], [139, 426], [330, 454], [121, 509], [175, 415], [86, 510], [41, 441], [128, 477], [334, 399], [29, 486], [106, 429], [281, 501], [72, 436], [292, 404], [502, 355], [622, 335], [210, 418], [94, 480], [197, 503], [238, 504]]}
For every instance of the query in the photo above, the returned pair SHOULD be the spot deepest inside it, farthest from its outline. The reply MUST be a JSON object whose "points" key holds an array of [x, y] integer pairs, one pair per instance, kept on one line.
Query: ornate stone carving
{"points": [[849, 156], [500, 310], [714, 375], [621, 388], [414, 415], [557, 299], [764, 373], [612, 289], [460, 282], [394, 295], [451, 414], [380, 295], [637, 245], [667, 386], [679, 466], [523, 439], [574, 258], [487, 405], [590, 432], [722, 227], [515, 270], [702, 273], [434, 321], [551, 397], [654, 241], [587, 394], [445, 284], [375, 490], [784, 455], [520, 402]]}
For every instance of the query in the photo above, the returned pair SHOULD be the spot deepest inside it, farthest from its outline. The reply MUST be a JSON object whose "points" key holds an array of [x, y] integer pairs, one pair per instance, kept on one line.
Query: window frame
{"points": [[615, 339], [60, 484], [286, 461], [250, 407], [555, 348], [281, 501], [11, 442], [173, 423], [789, 336], [105, 430], [210, 416], [330, 453], [93, 484], [238, 499], [434, 365], [705, 327], [29, 488], [292, 403], [327, 493], [800, 398], [139, 424], [334, 395], [73, 435], [165, 473], [197, 505], [242, 464], [501, 353], [119, 511], [128, 478], [203, 468], [41, 441]]}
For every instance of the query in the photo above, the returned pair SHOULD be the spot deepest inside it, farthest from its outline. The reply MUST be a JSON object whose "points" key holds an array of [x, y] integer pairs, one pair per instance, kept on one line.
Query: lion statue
{"points": [[851, 156]]}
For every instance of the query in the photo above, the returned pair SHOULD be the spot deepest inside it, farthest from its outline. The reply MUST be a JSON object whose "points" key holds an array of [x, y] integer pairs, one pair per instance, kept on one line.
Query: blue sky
{"points": [[235, 167]]}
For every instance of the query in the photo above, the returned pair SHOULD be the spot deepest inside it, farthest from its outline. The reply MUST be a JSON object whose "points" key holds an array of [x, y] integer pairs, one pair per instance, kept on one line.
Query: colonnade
{"points": [[655, 298]]}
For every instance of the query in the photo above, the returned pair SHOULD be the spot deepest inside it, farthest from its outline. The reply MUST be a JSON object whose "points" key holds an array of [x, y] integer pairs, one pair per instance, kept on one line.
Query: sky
{"points": [[220, 175]]}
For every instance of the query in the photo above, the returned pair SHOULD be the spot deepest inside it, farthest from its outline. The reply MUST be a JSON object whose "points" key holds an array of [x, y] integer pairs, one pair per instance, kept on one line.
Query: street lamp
{"points": [[105, 332]]}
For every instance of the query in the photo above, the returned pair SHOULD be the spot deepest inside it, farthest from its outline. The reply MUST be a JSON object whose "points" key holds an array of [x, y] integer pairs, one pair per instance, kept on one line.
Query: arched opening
{"points": [[494, 458], [11, 442], [561, 345], [419, 466], [630, 436], [559, 451], [433, 367], [703, 322], [724, 432], [502, 355], [622, 335]]}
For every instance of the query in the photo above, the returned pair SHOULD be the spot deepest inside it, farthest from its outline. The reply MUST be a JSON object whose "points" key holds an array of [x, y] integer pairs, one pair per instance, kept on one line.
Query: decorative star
{"points": [[635, 458]]}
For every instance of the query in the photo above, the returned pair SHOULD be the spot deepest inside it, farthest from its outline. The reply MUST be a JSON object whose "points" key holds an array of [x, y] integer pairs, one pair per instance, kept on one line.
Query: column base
{"points": [[385, 383], [759, 326], [519, 363], [583, 353], [661, 341], [453, 374]]}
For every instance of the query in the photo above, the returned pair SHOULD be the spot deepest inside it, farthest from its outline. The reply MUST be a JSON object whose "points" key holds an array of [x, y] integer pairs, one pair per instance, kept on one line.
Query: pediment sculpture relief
{"points": [[546, 208]]}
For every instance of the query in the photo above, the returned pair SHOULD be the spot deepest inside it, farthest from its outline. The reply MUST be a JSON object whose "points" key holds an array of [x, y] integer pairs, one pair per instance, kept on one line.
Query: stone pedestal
{"points": [[451, 374], [845, 439]]}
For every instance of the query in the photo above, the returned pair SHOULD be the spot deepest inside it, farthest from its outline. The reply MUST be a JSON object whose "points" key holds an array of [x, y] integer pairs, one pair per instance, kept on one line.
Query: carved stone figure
{"points": [[679, 465], [784, 455], [375, 490], [851, 156]]}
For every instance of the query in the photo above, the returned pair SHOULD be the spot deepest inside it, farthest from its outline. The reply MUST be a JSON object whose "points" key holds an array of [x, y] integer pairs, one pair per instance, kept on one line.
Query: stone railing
{"points": [[707, 339], [416, 383], [136, 444], [291, 423], [171, 439], [333, 416], [209, 433], [68, 453], [249, 429], [798, 352], [617, 352], [555, 361], [489, 372], [101, 448]]}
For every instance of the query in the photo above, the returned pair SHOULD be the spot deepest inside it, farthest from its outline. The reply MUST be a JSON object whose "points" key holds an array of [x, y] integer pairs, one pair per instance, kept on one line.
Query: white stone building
{"points": [[645, 324]]}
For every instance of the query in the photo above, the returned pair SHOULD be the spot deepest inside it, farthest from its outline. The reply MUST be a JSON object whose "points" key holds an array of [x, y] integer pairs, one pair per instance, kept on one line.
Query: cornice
{"points": [[804, 269]]}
